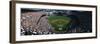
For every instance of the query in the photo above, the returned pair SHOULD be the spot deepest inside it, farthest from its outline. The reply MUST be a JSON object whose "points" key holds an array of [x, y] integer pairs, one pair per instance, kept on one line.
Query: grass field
{"points": [[60, 23]]}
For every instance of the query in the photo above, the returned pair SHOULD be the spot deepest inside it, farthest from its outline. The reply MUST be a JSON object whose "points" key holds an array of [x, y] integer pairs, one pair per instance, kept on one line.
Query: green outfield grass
{"points": [[60, 23]]}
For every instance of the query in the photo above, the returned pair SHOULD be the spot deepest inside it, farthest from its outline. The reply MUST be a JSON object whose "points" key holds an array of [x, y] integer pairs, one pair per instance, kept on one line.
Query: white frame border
{"points": [[41, 37]]}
